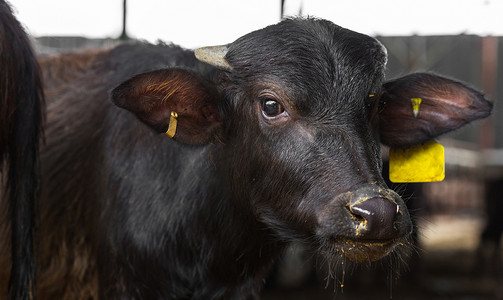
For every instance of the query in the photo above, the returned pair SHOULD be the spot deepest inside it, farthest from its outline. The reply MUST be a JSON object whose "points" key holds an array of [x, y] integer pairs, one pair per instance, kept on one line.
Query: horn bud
{"points": [[214, 55]]}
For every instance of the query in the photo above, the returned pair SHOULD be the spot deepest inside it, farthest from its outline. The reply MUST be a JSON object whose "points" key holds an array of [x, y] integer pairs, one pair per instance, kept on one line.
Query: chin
{"points": [[342, 255]]}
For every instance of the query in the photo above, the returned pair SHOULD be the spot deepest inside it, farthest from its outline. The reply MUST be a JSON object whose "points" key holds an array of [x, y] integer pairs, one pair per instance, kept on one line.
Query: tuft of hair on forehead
{"points": [[304, 41]]}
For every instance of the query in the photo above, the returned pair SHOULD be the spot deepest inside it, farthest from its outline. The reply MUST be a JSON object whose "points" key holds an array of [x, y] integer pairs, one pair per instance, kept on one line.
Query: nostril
{"points": [[355, 213], [360, 212], [375, 217]]}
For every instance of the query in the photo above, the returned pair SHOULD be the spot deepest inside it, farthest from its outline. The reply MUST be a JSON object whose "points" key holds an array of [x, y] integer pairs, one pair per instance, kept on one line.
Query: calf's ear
{"points": [[419, 107], [157, 97]]}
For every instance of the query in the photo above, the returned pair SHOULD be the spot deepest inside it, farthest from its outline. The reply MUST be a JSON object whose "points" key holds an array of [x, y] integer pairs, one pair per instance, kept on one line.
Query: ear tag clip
{"points": [[173, 122], [424, 163], [416, 103]]}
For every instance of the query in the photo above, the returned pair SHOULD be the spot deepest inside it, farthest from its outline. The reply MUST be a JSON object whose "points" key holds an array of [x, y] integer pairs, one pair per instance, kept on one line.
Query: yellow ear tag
{"points": [[173, 122], [424, 163], [416, 103]]}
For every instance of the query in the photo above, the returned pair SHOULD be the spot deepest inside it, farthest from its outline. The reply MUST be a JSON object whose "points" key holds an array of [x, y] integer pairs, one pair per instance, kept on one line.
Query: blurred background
{"points": [[459, 220]]}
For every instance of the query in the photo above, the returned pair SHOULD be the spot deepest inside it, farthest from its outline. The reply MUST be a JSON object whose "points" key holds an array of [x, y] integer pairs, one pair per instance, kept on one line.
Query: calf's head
{"points": [[300, 109]]}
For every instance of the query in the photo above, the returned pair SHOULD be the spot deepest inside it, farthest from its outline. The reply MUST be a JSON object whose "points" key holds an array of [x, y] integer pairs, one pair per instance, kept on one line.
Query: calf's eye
{"points": [[271, 108]]}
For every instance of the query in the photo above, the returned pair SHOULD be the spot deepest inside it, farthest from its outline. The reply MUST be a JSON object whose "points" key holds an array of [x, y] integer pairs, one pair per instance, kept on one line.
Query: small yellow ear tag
{"points": [[416, 103], [173, 122], [424, 163]]}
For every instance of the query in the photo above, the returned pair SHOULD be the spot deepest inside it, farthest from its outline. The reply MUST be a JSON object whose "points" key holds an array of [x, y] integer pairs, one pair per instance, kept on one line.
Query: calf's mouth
{"points": [[363, 251]]}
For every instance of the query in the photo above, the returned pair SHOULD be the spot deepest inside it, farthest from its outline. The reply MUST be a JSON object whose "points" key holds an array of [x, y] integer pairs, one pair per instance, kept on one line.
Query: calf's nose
{"points": [[374, 218]]}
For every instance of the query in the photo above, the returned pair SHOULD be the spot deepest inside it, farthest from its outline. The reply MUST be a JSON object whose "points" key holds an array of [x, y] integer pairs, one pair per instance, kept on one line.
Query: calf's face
{"points": [[300, 109], [304, 134]]}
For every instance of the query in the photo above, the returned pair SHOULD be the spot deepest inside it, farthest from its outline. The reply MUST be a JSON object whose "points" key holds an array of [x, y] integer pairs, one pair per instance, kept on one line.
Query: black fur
{"points": [[21, 114]]}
